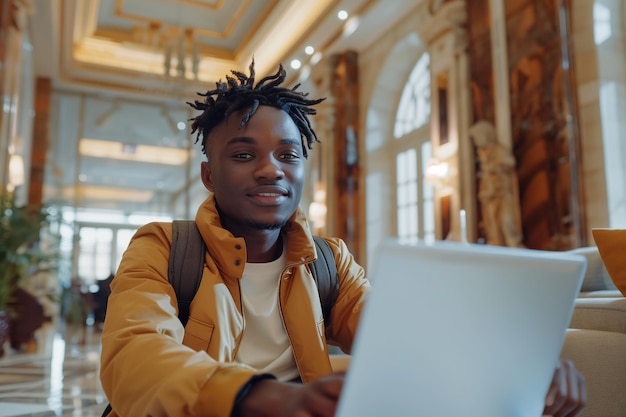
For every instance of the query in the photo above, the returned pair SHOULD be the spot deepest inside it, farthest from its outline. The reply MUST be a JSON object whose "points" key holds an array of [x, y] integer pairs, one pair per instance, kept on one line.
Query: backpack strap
{"points": [[185, 264], [324, 271]]}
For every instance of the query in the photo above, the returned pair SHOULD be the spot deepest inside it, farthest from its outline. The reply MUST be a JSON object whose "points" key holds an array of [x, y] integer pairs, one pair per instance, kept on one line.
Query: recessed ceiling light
{"points": [[309, 50], [342, 14], [181, 125], [295, 64], [351, 26], [316, 58]]}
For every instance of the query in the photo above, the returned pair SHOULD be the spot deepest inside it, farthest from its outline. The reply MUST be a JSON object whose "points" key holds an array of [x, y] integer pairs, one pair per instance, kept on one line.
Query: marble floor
{"points": [[59, 377]]}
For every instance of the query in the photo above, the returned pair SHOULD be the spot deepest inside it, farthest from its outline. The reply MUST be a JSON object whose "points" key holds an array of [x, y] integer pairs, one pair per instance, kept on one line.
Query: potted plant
{"points": [[20, 253]]}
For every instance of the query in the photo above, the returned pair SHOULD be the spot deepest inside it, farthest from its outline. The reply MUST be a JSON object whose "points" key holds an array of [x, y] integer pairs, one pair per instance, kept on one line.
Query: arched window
{"points": [[412, 150], [397, 142], [414, 109]]}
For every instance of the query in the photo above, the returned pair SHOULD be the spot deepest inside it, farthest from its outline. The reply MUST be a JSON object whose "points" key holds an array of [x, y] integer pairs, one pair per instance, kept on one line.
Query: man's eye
{"points": [[242, 155], [290, 155]]}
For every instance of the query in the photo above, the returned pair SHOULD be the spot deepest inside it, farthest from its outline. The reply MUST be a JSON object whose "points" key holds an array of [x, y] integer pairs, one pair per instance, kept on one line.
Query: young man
{"points": [[255, 343]]}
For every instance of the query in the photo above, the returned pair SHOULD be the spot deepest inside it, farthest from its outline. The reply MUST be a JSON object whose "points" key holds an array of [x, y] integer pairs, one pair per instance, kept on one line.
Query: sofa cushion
{"points": [[596, 277], [612, 248], [601, 294], [607, 314], [599, 356]]}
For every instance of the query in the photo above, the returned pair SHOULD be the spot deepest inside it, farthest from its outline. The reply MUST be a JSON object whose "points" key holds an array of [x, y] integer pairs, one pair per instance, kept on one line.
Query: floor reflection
{"points": [[59, 379]]}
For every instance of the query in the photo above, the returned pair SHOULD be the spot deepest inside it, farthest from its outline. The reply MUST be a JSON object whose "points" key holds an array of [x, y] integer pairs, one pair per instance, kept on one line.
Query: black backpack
{"points": [[187, 260]]}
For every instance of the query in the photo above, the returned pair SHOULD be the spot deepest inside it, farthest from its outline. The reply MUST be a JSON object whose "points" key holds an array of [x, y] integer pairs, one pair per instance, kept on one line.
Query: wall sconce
{"points": [[16, 170], [437, 171], [318, 209]]}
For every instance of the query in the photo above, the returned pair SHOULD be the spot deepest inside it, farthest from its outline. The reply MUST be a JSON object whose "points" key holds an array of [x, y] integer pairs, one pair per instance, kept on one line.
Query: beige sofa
{"points": [[596, 340]]}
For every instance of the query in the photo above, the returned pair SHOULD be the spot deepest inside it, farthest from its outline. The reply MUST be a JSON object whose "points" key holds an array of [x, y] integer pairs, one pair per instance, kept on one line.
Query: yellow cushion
{"points": [[612, 247]]}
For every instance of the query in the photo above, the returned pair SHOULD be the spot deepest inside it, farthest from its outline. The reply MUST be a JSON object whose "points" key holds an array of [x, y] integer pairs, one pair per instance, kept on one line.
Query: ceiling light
{"points": [[181, 126], [351, 26], [317, 57], [295, 64], [113, 194], [342, 14], [309, 50], [139, 153]]}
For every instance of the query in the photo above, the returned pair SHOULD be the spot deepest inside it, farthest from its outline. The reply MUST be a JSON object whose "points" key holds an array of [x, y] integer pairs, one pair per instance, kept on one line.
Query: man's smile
{"points": [[269, 196]]}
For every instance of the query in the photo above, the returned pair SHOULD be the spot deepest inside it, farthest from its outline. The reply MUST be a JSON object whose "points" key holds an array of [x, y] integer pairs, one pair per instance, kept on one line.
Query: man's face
{"points": [[256, 172]]}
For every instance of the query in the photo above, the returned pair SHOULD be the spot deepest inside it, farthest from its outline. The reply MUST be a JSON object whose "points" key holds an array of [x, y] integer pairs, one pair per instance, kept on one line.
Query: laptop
{"points": [[457, 329]]}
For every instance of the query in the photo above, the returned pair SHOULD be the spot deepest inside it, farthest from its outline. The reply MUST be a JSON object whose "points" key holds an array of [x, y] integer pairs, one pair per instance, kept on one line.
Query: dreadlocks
{"points": [[239, 92]]}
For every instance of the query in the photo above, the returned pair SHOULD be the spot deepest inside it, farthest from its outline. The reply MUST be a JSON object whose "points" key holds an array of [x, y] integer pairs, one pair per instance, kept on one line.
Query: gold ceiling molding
{"points": [[204, 3], [236, 18], [218, 5], [111, 54], [177, 29]]}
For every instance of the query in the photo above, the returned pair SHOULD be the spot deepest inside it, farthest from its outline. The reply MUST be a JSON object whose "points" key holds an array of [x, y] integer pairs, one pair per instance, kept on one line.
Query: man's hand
{"points": [[272, 398], [567, 396]]}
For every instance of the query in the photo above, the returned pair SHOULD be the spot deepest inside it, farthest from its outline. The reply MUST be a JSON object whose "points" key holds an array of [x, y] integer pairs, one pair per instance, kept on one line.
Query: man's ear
{"points": [[205, 174]]}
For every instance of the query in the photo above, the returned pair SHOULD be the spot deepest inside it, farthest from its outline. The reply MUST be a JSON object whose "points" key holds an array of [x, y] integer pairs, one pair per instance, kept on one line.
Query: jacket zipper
{"points": [[282, 318], [243, 318]]}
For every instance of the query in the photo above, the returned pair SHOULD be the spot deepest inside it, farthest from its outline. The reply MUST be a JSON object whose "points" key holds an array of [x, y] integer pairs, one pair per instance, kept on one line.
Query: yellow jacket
{"points": [[151, 366]]}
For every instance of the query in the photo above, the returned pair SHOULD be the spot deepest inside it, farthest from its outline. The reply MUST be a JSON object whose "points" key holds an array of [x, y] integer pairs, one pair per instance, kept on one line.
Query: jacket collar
{"points": [[229, 252]]}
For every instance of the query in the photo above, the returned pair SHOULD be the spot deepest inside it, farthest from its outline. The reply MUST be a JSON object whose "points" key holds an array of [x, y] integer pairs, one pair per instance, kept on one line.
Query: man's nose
{"points": [[269, 167]]}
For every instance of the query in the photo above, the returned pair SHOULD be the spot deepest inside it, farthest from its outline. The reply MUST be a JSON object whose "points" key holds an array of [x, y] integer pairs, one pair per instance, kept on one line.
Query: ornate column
{"points": [[542, 121], [13, 16], [346, 189], [322, 160], [446, 37], [40, 140]]}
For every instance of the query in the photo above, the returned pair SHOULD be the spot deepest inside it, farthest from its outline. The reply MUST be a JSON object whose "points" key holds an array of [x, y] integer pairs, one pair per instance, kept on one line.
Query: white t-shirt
{"points": [[264, 343]]}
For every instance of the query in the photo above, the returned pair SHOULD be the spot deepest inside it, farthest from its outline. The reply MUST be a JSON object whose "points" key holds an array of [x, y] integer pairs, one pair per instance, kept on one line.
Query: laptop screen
{"points": [[455, 329]]}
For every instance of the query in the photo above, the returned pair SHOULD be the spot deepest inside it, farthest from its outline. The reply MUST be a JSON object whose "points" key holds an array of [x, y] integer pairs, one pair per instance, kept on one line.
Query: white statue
{"points": [[498, 190]]}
